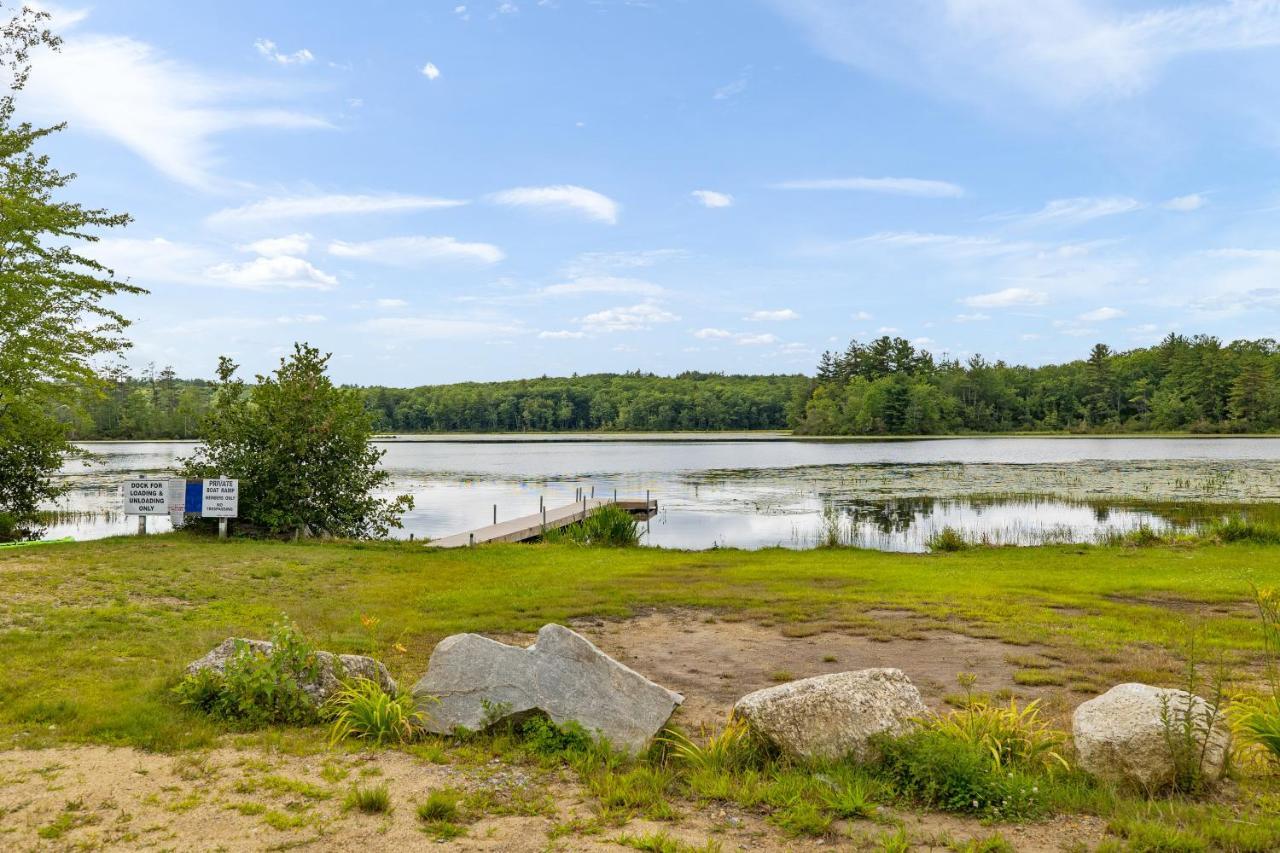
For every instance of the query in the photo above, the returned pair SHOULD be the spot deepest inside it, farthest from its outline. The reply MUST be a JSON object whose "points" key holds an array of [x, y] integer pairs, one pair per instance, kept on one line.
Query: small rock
{"points": [[833, 716], [1120, 736], [331, 668], [471, 678]]}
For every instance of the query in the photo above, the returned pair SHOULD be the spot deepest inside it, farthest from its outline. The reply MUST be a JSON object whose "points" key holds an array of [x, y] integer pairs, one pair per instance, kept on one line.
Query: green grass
{"points": [[375, 799], [118, 619]]}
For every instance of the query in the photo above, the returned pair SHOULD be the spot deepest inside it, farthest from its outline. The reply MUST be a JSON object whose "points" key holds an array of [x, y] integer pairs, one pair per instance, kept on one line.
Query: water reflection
{"points": [[793, 494]]}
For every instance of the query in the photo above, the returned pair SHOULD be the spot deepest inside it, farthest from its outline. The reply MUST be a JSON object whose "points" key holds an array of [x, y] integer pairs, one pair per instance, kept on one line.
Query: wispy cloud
{"points": [[269, 50], [712, 199], [589, 203], [290, 244], [561, 335], [412, 251], [308, 206], [1010, 297], [1060, 53], [1186, 203], [759, 340], [892, 186], [439, 328], [712, 334], [167, 112], [1102, 314], [1076, 211], [730, 90], [602, 284]]}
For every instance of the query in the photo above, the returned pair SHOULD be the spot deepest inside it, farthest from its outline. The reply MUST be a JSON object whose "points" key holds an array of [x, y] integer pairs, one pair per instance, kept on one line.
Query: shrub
{"points": [[947, 539], [547, 739], [258, 689], [938, 770], [1187, 730], [363, 710], [734, 748], [372, 800]]}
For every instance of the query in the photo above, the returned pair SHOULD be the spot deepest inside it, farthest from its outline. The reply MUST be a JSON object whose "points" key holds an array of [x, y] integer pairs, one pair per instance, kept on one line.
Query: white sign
{"points": [[175, 495], [146, 497], [221, 499]]}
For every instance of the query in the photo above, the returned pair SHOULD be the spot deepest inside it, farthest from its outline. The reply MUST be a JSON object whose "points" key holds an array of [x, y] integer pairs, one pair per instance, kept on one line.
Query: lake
{"points": [[754, 490]]}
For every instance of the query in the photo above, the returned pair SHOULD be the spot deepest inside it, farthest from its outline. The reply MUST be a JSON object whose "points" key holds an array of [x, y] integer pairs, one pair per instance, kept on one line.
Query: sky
{"points": [[450, 190]]}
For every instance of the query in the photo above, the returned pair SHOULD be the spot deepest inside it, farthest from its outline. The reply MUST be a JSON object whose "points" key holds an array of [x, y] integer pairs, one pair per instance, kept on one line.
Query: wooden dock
{"points": [[528, 527]]}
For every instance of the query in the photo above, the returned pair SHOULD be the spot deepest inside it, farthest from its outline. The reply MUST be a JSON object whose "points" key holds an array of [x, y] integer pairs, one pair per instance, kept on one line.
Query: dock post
{"points": [[615, 495], [646, 500], [593, 493], [542, 505], [222, 528], [471, 540], [544, 521], [495, 513]]}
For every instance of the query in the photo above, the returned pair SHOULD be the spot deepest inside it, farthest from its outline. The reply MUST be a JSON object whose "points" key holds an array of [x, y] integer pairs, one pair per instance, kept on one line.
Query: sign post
{"points": [[221, 500], [145, 497]]}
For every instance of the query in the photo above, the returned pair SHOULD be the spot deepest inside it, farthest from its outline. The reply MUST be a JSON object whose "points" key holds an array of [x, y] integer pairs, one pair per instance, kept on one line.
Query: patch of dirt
{"points": [[714, 663], [1185, 605], [252, 799]]}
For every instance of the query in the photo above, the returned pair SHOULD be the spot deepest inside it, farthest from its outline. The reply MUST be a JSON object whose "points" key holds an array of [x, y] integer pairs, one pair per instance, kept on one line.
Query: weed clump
{"points": [[609, 526], [375, 799], [257, 689], [364, 711], [947, 540]]}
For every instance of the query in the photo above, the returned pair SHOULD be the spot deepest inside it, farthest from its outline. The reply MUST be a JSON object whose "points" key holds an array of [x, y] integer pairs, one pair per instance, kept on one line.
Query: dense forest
{"points": [[884, 387], [157, 404], [1196, 384]]}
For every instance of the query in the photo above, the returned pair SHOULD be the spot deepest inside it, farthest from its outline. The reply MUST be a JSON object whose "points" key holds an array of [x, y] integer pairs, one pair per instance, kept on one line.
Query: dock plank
{"points": [[528, 527]]}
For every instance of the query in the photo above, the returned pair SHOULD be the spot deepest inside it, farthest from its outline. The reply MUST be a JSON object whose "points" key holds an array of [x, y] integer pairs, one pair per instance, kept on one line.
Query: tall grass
{"points": [[609, 526]]}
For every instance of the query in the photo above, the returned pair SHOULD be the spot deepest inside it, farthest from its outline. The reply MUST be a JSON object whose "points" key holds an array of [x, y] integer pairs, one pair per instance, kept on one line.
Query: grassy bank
{"points": [[92, 634]]}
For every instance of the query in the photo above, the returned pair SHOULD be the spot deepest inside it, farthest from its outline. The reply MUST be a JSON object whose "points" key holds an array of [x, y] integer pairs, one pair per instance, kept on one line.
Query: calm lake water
{"points": [[757, 491]]}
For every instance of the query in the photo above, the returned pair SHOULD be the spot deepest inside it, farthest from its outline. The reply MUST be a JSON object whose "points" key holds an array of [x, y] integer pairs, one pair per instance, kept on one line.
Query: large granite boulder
{"points": [[473, 682], [1123, 735], [331, 669], [833, 716]]}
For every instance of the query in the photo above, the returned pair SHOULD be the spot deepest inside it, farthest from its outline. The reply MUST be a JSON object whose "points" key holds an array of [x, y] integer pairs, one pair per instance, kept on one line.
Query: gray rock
{"points": [[331, 668], [471, 679], [833, 716], [1120, 736]]}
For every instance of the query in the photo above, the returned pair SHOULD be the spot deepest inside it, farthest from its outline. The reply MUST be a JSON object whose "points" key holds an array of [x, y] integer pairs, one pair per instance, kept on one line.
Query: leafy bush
{"points": [[258, 689], [939, 770], [546, 738], [948, 539], [609, 526], [363, 710]]}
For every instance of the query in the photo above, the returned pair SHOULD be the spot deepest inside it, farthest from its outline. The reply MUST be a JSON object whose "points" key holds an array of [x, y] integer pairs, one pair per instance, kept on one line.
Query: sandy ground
{"points": [[254, 799]]}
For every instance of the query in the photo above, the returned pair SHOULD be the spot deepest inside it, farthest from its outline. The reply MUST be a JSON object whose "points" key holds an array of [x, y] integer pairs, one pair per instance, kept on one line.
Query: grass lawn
{"points": [[92, 634]]}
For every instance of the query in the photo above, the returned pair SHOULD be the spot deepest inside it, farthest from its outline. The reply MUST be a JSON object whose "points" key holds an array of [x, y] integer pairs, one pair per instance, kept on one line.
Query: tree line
{"points": [[157, 404], [1184, 383]]}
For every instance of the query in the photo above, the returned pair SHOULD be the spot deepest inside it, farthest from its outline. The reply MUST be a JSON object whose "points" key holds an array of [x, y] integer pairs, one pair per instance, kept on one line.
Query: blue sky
{"points": [[479, 189]]}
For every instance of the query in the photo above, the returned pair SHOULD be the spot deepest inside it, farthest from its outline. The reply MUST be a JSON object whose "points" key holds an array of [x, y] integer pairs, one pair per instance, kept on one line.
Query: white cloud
{"points": [[430, 71], [1008, 298], [779, 314], [603, 284], [976, 317], [860, 315], [712, 334], [301, 319], [756, 340], [307, 206], [1075, 211], [387, 304], [590, 203], [1059, 53], [268, 49], [444, 328], [281, 272], [713, 199], [166, 112], [629, 319], [1186, 203], [893, 186], [508, 9], [411, 251], [290, 244], [1099, 315], [562, 335], [604, 263]]}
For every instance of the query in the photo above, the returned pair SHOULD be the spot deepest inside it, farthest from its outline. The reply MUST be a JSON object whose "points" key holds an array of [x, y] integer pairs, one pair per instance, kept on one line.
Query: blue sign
{"points": [[195, 496]]}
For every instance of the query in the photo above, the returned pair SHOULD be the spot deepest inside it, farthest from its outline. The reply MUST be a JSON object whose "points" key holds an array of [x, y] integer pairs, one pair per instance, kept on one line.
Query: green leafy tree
{"points": [[300, 448], [53, 320]]}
